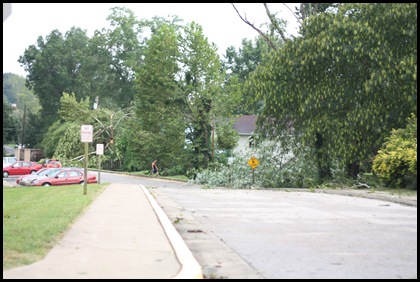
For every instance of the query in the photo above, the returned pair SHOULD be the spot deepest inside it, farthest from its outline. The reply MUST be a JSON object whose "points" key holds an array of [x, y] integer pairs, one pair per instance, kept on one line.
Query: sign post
{"points": [[86, 136], [253, 163], [99, 152]]}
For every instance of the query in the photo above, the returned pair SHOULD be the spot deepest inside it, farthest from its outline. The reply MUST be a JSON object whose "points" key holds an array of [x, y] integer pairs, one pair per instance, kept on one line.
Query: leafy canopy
{"points": [[351, 77]]}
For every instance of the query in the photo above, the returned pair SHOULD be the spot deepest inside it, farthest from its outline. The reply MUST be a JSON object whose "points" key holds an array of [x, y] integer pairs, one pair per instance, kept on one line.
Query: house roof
{"points": [[245, 124]]}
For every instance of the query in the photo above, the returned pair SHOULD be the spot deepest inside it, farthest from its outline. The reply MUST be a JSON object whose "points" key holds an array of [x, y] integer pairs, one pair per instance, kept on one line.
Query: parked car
{"points": [[51, 163], [25, 180], [8, 161], [64, 176], [21, 168]]}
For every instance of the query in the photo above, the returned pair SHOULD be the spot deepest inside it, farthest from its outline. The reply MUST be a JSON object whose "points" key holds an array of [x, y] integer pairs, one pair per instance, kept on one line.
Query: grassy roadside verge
{"points": [[147, 174], [35, 218]]}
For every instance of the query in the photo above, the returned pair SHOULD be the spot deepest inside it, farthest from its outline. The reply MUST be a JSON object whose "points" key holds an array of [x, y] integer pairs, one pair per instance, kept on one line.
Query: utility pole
{"points": [[22, 138], [96, 103], [212, 140], [23, 126]]}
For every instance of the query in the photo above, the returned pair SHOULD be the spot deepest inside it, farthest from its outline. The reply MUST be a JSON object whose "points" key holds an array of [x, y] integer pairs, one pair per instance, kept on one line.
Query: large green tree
{"points": [[159, 128], [345, 83], [182, 114], [54, 66], [120, 50], [101, 67], [202, 85]]}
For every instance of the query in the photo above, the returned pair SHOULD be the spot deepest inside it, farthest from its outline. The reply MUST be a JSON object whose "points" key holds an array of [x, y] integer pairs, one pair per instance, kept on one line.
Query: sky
{"points": [[221, 23]]}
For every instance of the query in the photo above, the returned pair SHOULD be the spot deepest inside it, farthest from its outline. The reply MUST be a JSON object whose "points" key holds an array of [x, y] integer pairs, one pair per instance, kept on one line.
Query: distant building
{"points": [[245, 126]]}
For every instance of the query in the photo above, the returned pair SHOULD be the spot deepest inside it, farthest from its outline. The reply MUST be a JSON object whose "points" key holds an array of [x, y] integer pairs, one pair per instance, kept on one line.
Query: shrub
{"points": [[176, 170], [396, 163], [278, 167]]}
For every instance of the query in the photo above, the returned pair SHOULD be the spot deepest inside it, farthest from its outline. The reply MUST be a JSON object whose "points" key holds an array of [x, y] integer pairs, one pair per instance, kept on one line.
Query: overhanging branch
{"points": [[259, 31]]}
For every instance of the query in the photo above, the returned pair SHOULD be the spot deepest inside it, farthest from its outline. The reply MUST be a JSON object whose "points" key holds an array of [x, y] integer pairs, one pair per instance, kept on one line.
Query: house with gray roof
{"points": [[245, 126]]}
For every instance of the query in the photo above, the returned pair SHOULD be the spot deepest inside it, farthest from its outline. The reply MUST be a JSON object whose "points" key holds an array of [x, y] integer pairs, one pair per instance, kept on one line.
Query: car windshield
{"points": [[44, 171], [51, 171]]}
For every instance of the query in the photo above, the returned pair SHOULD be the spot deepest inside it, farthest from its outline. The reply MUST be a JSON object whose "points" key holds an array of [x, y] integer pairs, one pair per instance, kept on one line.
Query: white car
{"points": [[8, 161]]}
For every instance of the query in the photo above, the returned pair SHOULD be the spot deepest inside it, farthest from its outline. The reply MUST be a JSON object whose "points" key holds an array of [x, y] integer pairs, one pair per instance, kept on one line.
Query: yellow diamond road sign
{"points": [[253, 162]]}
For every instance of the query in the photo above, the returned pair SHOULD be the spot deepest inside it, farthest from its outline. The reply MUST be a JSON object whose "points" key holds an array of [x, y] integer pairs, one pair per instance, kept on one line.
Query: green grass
{"points": [[35, 218], [176, 177], [147, 173], [140, 173], [399, 192]]}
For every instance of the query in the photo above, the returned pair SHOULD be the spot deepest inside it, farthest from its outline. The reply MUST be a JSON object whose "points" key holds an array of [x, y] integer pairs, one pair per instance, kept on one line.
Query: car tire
{"points": [[82, 182], [33, 172], [46, 184], [5, 174]]}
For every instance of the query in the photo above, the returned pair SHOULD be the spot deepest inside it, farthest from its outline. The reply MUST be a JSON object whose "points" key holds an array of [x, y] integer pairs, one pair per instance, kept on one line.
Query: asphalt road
{"points": [[293, 235], [240, 234]]}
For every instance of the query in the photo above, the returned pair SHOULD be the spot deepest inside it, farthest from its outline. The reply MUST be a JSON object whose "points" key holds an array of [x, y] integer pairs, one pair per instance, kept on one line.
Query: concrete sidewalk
{"points": [[124, 234]]}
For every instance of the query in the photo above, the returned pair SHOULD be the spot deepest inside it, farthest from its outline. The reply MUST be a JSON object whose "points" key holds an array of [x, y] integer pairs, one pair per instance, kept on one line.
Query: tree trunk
{"points": [[353, 169], [322, 160]]}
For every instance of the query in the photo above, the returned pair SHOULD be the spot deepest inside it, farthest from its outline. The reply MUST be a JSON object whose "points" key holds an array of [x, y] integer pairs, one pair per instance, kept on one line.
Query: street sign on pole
{"points": [[253, 162], [99, 153], [86, 136], [86, 133], [99, 149]]}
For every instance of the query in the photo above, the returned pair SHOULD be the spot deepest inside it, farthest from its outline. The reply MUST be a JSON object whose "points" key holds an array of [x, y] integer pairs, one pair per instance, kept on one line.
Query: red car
{"points": [[48, 163], [21, 168], [64, 176], [51, 163], [25, 180]]}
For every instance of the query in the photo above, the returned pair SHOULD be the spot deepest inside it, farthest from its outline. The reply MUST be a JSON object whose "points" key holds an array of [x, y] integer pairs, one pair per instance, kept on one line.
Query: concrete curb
{"points": [[190, 268]]}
